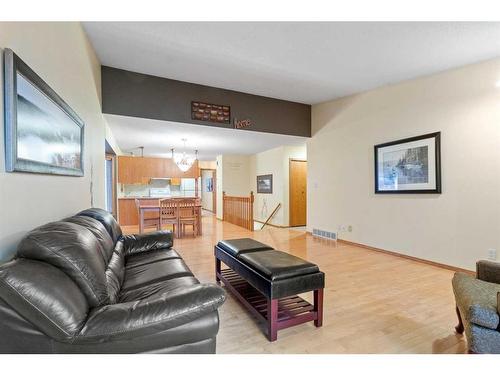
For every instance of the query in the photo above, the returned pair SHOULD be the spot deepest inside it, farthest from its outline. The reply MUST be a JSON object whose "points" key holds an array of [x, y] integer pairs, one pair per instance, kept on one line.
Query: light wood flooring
{"points": [[374, 302]]}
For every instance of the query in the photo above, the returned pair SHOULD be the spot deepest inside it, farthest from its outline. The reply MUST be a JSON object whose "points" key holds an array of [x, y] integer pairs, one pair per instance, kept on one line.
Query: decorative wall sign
{"points": [[211, 112], [265, 184], [42, 133], [411, 165], [240, 124]]}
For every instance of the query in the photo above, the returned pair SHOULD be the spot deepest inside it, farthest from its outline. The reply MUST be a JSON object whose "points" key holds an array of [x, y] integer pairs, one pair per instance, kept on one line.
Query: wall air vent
{"points": [[324, 234]]}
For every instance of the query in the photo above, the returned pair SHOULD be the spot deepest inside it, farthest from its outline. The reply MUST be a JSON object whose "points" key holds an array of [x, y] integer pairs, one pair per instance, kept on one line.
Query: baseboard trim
{"points": [[261, 222], [271, 225], [409, 257]]}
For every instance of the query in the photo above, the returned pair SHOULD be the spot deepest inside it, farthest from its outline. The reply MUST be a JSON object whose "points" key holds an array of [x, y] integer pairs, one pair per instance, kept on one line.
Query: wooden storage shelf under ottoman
{"points": [[267, 282]]}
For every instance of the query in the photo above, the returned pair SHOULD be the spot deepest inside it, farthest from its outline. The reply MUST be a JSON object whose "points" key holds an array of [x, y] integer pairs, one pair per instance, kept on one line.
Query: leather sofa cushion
{"points": [[115, 273], [129, 320], [106, 219], [240, 246], [98, 230], [138, 243], [162, 341], [157, 289], [75, 251], [142, 275], [151, 257], [277, 265], [45, 296]]}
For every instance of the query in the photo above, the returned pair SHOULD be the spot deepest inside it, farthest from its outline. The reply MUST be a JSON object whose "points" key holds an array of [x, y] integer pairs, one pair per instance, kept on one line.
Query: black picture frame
{"points": [[265, 184], [14, 67], [436, 176]]}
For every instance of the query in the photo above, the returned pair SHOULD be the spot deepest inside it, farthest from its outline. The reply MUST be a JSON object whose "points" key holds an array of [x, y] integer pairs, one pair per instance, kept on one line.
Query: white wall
{"points": [[275, 162], [233, 173], [235, 176], [455, 227], [62, 56]]}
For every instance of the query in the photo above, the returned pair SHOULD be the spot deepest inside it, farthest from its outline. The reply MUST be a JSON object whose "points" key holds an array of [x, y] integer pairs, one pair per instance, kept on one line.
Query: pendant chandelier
{"points": [[184, 161]]}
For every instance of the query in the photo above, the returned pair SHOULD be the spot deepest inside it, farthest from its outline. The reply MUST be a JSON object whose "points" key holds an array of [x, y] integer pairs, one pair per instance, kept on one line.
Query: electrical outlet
{"points": [[492, 254], [349, 228]]}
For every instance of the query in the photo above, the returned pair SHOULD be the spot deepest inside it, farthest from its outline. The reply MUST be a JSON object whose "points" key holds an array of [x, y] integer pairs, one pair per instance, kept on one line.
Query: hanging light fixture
{"points": [[183, 161]]}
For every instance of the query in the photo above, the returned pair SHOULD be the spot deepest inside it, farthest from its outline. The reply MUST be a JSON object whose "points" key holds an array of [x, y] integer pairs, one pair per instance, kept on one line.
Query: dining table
{"points": [[155, 207]]}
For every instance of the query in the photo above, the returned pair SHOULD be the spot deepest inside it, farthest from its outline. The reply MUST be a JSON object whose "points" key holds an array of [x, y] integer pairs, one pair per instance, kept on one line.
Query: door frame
{"points": [[114, 200], [214, 189], [290, 160]]}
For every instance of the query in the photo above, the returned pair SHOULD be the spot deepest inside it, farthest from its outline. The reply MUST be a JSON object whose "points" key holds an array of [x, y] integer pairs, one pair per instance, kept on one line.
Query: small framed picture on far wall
{"points": [[265, 184]]}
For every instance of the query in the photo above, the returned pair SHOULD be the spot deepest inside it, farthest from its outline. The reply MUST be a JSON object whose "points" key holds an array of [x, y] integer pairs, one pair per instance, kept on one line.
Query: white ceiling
{"points": [[158, 137], [304, 62]]}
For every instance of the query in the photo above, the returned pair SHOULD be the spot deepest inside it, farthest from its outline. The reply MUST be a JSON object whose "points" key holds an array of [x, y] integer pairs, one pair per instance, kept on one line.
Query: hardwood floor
{"points": [[374, 302]]}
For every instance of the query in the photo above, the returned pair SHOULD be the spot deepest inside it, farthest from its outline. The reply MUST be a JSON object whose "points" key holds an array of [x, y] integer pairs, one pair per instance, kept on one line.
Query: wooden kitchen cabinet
{"points": [[138, 170], [132, 170], [127, 210], [158, 167]]}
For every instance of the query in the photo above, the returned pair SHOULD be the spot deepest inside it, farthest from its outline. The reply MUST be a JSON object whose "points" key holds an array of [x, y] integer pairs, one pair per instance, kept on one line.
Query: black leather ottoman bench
{"points": [[267, 282]]}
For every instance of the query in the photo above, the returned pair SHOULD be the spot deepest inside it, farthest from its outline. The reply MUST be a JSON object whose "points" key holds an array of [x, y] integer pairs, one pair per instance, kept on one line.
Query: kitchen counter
{"points": [[127, 210]]}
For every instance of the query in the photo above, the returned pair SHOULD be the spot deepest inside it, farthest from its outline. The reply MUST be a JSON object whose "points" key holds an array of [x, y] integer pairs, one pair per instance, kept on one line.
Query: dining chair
{"points": [[169, 214], [150, 219], [188, 215]]}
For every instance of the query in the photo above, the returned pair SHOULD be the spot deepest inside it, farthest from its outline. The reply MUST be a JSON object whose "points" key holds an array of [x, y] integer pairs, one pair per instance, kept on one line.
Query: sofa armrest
{"points": [[476, 300], [124, 321], [489, 271], [137, 243]]}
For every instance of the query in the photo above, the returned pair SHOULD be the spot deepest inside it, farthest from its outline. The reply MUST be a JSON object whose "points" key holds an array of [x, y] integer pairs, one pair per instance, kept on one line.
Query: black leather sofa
{"points": [[80, 286]]}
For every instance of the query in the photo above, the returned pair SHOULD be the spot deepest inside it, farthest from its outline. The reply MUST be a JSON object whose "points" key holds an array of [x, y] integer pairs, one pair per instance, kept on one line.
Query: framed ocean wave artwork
{"points": [[42, 133]]}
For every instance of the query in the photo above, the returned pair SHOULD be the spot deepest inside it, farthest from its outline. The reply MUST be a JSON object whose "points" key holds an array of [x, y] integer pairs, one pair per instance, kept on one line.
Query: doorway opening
{"points": [[208, 190]]}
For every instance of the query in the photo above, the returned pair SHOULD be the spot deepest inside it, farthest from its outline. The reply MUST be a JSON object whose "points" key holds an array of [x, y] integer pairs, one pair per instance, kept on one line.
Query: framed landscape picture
{"points": [[411, 165], [42, 133], [265, 184]]}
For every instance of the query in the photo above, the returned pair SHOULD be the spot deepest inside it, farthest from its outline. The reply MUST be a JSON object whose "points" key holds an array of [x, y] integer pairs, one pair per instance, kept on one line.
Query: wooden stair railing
{"points": [[238, 210]]}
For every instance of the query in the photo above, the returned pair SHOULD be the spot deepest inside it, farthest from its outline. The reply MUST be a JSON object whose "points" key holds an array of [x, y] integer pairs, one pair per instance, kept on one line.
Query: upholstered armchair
{"points": [[477, 307]]}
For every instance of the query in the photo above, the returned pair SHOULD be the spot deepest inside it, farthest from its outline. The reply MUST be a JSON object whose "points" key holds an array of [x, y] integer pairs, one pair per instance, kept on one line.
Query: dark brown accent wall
{"points": [[139, 95]]}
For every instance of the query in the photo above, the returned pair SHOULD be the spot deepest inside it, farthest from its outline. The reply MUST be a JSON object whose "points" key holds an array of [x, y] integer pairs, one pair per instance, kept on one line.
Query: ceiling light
{"points": [[183, 161]]}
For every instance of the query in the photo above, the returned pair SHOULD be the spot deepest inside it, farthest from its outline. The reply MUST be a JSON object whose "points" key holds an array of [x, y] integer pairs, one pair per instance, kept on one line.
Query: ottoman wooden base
{"points": [[275, 313]]}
